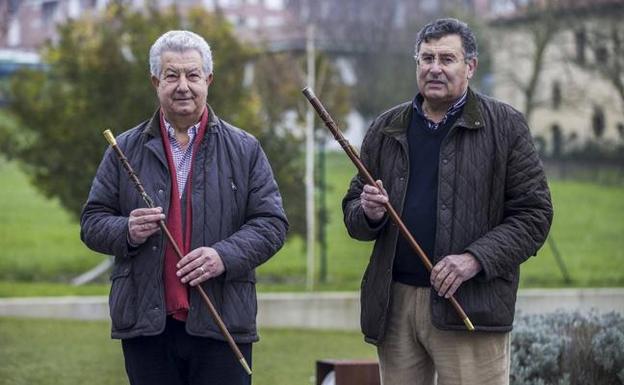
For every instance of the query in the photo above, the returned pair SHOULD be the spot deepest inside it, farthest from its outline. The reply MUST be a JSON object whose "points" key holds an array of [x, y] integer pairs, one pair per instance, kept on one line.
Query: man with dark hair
{"points": [[463, 173], [223, 209]]}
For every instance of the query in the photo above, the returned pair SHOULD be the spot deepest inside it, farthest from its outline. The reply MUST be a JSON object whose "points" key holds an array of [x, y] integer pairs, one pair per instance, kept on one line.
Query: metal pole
{"points": [[323, 213], [562, 267], [309, 164]]}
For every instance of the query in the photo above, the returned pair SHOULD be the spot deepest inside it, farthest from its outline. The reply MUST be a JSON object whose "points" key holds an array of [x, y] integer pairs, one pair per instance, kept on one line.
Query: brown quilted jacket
{"points": [[493, 201]]}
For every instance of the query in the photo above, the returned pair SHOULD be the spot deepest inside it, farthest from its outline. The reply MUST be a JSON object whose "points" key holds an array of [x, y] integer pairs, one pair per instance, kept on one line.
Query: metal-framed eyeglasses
{"points": [[443, 60]]}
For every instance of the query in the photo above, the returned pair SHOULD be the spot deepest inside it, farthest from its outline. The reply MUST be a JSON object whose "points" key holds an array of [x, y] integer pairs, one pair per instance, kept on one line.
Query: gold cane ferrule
{"points": [[245, 365], [469, 324]]}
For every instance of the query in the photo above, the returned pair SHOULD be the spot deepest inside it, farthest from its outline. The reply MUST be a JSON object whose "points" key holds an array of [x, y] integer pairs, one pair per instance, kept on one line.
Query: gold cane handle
{"points": [[110, 138]]}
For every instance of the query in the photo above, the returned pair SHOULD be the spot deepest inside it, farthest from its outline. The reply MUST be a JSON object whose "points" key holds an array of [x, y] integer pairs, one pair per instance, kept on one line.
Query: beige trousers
{"points": [[414, 352]]}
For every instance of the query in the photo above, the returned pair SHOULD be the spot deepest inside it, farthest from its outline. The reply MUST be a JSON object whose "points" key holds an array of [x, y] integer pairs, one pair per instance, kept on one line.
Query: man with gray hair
{"points": [[212, 184], [462, 171]]}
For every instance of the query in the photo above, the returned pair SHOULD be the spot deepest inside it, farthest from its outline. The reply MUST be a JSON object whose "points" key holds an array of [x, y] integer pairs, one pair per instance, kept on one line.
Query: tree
{"points": [[278, 81], [539, 24], [97, 77], [364, 32], [378, 38]]}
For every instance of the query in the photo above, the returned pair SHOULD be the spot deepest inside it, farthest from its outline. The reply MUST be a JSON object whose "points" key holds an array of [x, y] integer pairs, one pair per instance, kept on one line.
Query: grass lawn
{"points": [[39, 242], [588, 230], [51, 352]]}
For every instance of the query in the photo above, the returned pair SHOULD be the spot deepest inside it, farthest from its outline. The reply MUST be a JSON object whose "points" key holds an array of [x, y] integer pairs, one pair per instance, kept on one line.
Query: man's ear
{"points": [[472, 67], [155, 81], [209, 79]]}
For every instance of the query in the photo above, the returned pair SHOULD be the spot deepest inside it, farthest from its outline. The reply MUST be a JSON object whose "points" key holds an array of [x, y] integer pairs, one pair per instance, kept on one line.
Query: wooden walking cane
{"points": [[351, 152], [150, 203]]}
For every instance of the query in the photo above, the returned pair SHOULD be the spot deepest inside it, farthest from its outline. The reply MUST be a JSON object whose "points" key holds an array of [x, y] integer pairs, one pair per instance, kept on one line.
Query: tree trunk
{"points": [[541, 38]]}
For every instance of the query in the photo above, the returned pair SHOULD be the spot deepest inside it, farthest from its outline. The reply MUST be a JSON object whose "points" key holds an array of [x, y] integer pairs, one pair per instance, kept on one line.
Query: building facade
{"points": [[563, 67]]}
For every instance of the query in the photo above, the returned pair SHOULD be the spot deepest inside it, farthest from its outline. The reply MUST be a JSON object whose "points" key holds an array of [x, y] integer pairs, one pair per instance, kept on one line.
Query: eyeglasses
{"points": [[444, 60]]}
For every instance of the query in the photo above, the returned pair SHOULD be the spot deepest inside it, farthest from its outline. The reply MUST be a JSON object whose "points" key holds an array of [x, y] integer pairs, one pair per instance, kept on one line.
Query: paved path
{"points": [[316, 310]]}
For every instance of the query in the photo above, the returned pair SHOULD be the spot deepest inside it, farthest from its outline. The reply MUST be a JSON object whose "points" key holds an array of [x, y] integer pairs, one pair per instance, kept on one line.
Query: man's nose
{"points": [[435, 67], [182, 84]]}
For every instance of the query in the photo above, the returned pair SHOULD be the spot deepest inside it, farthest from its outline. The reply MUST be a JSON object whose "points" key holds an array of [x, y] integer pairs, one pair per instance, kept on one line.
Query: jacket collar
{"points": [[152, 128], [399, 123], [470, 118]]}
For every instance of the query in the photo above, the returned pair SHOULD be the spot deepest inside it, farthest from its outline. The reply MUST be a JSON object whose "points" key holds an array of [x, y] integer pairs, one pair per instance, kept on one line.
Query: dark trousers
{"points": [[177, 358]]}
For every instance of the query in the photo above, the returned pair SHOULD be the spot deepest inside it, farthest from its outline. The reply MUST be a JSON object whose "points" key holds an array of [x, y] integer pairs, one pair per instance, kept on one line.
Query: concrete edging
{"points": [[331, 310]]}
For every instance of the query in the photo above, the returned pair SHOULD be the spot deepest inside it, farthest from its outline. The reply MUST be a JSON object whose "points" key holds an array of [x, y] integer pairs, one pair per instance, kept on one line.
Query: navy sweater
{"points": [[420, 208]]}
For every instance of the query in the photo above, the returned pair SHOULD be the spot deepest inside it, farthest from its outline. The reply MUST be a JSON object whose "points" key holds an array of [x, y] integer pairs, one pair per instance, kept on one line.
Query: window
{"points": [[557, 140], [13, 7], [581, 42], [602, 54], [598, 121], [48, 12]]}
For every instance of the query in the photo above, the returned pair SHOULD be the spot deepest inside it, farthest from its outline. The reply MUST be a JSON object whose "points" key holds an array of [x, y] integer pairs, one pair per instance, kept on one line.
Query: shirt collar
{"points": [[419, 99], [452, 110], [192, 131]]}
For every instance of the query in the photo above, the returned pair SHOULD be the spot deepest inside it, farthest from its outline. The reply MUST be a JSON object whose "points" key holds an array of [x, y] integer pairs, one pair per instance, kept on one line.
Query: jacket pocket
{"points": [[488, 305], [122, 299], [240, 306], [506, 291], [237, 208]]}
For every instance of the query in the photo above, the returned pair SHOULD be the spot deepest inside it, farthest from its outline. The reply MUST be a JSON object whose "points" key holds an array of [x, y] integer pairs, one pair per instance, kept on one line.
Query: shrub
{"points": [[568, 349]]}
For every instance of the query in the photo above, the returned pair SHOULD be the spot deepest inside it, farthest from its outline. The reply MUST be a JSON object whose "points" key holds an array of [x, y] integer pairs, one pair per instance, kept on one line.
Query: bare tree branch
{"points": [[543, 34]]}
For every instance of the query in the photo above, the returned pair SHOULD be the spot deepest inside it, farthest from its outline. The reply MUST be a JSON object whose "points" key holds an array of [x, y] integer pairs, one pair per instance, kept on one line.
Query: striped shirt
{"points": [[182, 158], [455, 108]]}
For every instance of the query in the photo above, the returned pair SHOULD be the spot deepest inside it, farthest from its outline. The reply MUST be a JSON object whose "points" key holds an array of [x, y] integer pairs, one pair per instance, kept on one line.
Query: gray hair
{"points": [[179, 41], [449, 26]]}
